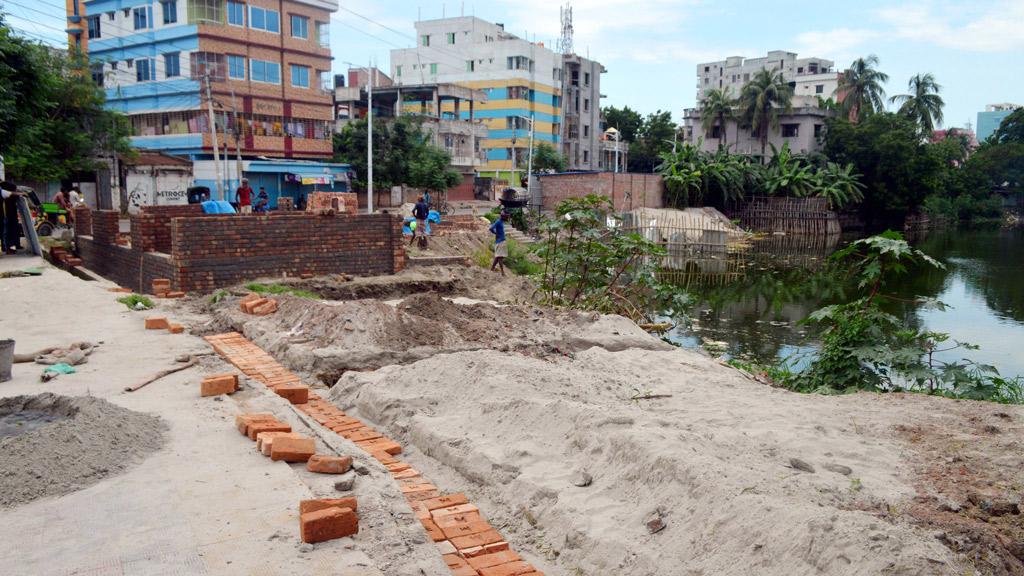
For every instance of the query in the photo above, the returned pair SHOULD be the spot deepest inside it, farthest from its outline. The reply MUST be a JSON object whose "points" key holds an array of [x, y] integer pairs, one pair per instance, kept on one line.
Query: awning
{"points": [[309, 178]]}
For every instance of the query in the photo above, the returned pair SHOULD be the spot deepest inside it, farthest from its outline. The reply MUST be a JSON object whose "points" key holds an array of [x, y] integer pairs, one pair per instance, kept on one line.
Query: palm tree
{"points": [[717, 107], [762, 99], [923, 104], [860, 88]]}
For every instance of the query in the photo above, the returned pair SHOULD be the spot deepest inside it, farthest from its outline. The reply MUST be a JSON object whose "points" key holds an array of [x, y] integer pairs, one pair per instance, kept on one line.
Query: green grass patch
{"points": [[281, 289], [218, 296], [131, 300]]}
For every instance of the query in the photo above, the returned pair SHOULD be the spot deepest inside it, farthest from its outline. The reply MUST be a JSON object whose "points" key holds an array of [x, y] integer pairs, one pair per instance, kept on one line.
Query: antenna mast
{"points": [[565, 42]]}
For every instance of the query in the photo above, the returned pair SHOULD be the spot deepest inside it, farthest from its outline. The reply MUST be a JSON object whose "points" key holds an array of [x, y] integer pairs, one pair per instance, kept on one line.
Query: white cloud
{"points": [[995, 27], [840, 44]]}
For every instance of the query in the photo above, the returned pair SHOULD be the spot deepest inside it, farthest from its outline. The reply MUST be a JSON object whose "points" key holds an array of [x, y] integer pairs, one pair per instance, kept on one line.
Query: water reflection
{"points": [[753, 299]]}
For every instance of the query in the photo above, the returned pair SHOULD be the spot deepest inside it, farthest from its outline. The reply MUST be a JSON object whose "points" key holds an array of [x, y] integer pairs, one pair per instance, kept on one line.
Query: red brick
{"points": [[294, 393], [120, 290], [249, 306], [242, 420], [452, 510], [314, 504], [417, 488], [493, 559], [397, 467], [268, 307], [517, 568], [328, 524], [433, 531], [175, 294], [292, 449], [464, 571], [422, 495], [446, 501], [161, 285], [258, 426], [250, 297], [381, 444], [329, 464], [407, 473], [176, 328], [479, 539], [361, 434], [217, 385], [454, 520], [383, 457], [466, 529], [157, 323], [454, 560], [484, 550]]}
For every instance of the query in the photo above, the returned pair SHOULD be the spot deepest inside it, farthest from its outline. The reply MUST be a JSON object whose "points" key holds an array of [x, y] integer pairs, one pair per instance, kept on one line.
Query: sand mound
{"points": [[719, 461], [329, 338], [52, 445]]}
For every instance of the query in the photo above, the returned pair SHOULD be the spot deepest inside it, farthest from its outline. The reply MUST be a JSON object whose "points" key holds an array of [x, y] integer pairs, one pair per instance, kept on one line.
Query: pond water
{"points": [[752, 303]]}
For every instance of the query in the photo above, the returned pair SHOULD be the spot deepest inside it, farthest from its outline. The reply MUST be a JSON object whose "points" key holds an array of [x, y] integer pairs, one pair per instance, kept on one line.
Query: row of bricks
{"points": [[469, 545]]}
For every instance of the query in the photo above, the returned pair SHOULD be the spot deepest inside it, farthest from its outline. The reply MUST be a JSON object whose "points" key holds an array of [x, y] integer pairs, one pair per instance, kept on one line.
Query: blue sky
{"points": [[651, 47]]}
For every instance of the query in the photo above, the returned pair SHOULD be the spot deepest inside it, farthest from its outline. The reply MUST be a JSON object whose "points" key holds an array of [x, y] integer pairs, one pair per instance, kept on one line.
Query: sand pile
{"points": [[721, 462], [52, 445], [329, 338]]}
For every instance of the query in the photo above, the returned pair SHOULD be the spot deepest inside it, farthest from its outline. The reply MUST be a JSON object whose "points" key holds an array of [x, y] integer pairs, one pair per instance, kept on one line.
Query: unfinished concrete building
{"points": [[581, 138]]}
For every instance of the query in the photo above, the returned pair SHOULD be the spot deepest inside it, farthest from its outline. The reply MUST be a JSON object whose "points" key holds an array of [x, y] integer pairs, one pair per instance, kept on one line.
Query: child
{"points": [[500, 246]]}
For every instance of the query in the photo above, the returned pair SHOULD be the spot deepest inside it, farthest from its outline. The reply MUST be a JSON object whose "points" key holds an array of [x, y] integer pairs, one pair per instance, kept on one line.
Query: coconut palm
{"points": [[763, 98], [923, 105], [716, 108], [860, 88]]}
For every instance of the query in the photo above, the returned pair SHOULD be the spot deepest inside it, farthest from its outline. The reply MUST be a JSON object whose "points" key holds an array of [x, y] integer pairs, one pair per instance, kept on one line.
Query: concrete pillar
{"points": [[398, 104]]}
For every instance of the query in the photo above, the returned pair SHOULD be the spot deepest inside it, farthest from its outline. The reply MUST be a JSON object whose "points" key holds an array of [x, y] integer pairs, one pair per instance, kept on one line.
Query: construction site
{"points": [[345, 404]]}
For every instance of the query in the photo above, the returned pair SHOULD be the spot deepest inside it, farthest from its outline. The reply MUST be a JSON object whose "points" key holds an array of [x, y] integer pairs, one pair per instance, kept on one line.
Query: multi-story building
{"points": [[262, 66], [992, 117], [810, 78], [522, 80]]}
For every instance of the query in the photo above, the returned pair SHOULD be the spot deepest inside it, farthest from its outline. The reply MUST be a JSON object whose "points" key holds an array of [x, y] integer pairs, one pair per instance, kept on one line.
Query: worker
{"points": [[243, 196], [500, 245], [420, 213], [262, 201], [11, 229]]}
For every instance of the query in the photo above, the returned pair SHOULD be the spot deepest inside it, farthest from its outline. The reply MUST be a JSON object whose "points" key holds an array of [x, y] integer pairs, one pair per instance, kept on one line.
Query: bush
{"points": [[133, 299]]}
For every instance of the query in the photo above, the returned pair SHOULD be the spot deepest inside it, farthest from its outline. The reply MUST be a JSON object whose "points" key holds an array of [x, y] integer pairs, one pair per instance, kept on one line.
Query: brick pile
{"points": [[334, 202], [161, 323], [61, 256], [469, 545], [258, 305]]}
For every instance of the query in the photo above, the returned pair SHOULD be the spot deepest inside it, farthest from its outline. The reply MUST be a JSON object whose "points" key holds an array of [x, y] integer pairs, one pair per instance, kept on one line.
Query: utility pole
{"points": [[227, 152], [618, 138], [369, 139], [529, 163], [238, 138], [213, 134]]}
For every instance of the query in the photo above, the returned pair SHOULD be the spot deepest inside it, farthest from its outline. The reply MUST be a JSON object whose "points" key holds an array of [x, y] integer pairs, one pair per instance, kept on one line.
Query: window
{"points": [[263, 71], [128, 63], [97, 73], [817, 130], [236, 13], [586, 131], [300, 27], [326, 80], [586, 156], [170, 10], [586, 104], [518, 93], [716, 131], [425, 40], [800, 70], [300, 76], [110, 16], [790, 130], [263, 19], [93, 23], [205, 11], [450, 37], [516, 123], [145, 70], [705, 80], [819, 88], [113, 65], [586, 78], [707, 68], [470, 65], [746, 77], [203, 63], [172, 64], [323, 34], [142, 17], [433, 68], [236, 67], [519, 63], [398, 70]]}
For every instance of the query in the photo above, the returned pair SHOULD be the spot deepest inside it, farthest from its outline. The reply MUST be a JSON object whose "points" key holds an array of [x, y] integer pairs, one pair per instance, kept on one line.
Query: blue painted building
{"points": [[989, 120]]}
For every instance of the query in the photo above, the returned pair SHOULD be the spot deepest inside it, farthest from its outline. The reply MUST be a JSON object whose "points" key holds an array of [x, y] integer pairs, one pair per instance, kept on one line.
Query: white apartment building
{"points": [[523, 80]]}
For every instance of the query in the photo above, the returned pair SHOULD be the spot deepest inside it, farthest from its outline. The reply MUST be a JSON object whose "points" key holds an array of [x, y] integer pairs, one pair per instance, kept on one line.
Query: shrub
{"points": [[281, 289], [131, 300]]}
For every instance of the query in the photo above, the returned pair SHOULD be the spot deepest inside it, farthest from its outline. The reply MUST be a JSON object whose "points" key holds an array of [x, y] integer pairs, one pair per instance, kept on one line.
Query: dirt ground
{"points": [[514, 403]]}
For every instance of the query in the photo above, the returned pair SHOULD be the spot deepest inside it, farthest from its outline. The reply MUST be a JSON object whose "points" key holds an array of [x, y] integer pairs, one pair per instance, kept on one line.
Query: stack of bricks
{"points": [[162, 289], [260, 366], [62, 256], [469, 545], [219, 384], [335, 202], [457, 223], [258, 305], [274, 438], [327, 518], [161, 323], [285, 204]]}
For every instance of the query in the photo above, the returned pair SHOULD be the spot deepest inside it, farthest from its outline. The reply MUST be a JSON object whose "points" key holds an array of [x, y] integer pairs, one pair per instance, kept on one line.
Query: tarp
{"points": [[218, 207]]}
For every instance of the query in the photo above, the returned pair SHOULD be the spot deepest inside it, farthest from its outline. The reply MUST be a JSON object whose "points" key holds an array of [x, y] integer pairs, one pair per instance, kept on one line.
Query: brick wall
{"points": [[627, 191], [83, 221], [212, 251], [340, 202], [223, 250]]}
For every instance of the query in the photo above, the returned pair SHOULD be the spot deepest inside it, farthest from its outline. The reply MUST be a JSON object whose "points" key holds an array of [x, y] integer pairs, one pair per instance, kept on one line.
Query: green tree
{"points": [[1011, 129], [430, 168], [53, 122], [547, 159], [395, 144], [716, 109], [923, 105], [860, 88], [899, 169], [626, 120], [761, 101], [655, 136]]}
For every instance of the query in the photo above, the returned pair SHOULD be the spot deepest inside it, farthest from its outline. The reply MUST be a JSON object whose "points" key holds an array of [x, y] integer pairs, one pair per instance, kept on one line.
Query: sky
{"points": [[651, 48]]}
